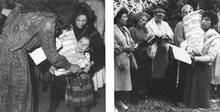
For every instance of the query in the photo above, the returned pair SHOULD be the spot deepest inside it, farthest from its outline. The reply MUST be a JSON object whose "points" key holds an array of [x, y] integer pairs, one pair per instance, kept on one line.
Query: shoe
{"points": [[123, 106], [116, 110]]}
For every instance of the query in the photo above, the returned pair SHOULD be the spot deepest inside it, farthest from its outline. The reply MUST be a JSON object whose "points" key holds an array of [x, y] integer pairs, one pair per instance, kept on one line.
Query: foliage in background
{"points": [[172, 7]]}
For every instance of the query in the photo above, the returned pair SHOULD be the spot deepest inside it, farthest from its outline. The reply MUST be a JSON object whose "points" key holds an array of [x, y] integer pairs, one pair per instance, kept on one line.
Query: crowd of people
{"points": [[142, 57], [30, 24]]}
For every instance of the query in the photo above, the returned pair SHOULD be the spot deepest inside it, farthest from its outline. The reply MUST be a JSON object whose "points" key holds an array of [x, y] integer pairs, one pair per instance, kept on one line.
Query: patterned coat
{"points": [[23, 33]]}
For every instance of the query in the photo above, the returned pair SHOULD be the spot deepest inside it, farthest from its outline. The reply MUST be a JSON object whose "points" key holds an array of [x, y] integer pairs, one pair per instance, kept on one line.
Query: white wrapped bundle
{"points": [[69, 44], [194, 33], [82, 60]]}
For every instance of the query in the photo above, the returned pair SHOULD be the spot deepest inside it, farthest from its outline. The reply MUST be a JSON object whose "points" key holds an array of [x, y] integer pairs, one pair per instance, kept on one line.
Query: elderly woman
{"points": [[123, 44], [198, 78], [139, 33], [179, 38], [179, 35]]}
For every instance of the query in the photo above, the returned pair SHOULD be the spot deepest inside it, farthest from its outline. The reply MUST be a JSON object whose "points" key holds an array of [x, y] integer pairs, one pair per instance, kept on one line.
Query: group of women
{"points": [[196, 78], [32, 24]]}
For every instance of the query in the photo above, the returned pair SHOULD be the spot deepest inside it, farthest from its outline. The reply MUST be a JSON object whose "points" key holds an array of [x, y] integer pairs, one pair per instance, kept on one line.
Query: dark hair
{"points": [[85, 9], [139, 15], [122, 11], [212, 15]]}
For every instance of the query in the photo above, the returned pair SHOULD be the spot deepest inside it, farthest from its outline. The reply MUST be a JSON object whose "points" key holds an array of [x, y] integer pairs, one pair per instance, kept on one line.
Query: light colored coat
{"points": [[211, 50], [122, 76]]}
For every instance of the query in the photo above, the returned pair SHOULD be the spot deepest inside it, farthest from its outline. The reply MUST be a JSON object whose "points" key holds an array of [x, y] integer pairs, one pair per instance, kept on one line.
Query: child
{"points": [[78, 97]]}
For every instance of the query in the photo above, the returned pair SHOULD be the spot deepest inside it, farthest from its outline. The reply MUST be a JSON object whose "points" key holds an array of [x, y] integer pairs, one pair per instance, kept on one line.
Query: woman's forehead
{"points": [[81, 16]]}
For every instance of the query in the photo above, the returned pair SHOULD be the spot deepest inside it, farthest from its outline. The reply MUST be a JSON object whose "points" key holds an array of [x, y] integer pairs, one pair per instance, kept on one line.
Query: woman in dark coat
{"points": [[85, 26], [82, 25], [28, 27], [141, 77]]}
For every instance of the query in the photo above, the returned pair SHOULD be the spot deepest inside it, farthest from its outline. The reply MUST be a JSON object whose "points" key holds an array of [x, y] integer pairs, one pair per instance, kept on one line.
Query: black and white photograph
{"points": [[109, 56], [166, 55], [52, 56]]}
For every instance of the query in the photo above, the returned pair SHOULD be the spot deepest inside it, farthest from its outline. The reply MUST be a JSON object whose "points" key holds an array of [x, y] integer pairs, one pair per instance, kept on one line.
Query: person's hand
{"points": [[121, 67], [118, 50], [87, 68], [128, 49], [75, 69], [52, 69], [164, 36], [149, 37], [196, 53]]}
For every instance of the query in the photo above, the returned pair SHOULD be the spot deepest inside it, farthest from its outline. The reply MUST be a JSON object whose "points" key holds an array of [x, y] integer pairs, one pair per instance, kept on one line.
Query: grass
{"points": [[165, 98]]}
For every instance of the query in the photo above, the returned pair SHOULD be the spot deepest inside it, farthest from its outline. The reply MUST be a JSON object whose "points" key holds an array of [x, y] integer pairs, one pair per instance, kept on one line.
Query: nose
{"points": [[80, 23], [202, 21]]}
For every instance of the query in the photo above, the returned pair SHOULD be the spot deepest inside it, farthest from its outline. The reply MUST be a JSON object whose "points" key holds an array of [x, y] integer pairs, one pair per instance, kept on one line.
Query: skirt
{"points": [[77, 95], [197, 86]]}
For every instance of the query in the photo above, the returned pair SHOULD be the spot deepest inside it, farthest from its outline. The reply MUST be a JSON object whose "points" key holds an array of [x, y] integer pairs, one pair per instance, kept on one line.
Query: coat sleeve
{"points": [[212, 52], [98, 53], [47, 41], [169, 31], [179, 35], [133, 34]]}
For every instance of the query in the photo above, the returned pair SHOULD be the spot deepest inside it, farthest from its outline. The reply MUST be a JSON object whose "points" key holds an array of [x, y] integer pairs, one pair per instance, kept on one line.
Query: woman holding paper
{"points": [[198, 78], [28, 27]]}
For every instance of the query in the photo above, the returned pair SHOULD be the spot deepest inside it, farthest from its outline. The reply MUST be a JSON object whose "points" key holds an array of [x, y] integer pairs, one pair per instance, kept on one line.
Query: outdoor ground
{"points": [[164, 98], [44, 100]]}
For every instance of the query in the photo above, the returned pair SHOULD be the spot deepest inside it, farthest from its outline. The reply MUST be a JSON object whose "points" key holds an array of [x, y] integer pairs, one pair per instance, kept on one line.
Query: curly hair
{"points": [[85, 9], [212, 16], [139, 15], [122, 11]]}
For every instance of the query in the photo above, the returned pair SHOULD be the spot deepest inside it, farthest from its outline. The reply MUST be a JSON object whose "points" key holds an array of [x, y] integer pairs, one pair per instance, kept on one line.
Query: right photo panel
{"points": [[166, 55]]}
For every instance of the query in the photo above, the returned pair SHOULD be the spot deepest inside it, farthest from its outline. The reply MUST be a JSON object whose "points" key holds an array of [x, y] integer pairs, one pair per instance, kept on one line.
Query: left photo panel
{"points": [[52, 56]]}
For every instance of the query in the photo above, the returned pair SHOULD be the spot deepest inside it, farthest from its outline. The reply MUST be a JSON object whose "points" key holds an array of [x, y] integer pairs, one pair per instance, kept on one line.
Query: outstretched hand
{"points": [[75, 69]]}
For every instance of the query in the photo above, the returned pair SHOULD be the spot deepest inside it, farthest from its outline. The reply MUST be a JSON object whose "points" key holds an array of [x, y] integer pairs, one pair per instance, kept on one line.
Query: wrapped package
{"points": [[194, 33]]}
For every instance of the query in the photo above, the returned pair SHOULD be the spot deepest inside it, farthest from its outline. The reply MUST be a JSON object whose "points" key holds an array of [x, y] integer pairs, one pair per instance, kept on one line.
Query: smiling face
{"points": [[205, 23], [123, 20], [81, 21], [83, 44], [142, 22]]}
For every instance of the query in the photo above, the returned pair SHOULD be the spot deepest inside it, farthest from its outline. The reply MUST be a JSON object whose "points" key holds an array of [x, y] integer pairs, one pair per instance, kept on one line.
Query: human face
{"points": [[83, 44], [205, 23], [142, 22], [80, 21], [123, 19], [159, 17], [186, 11]]}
